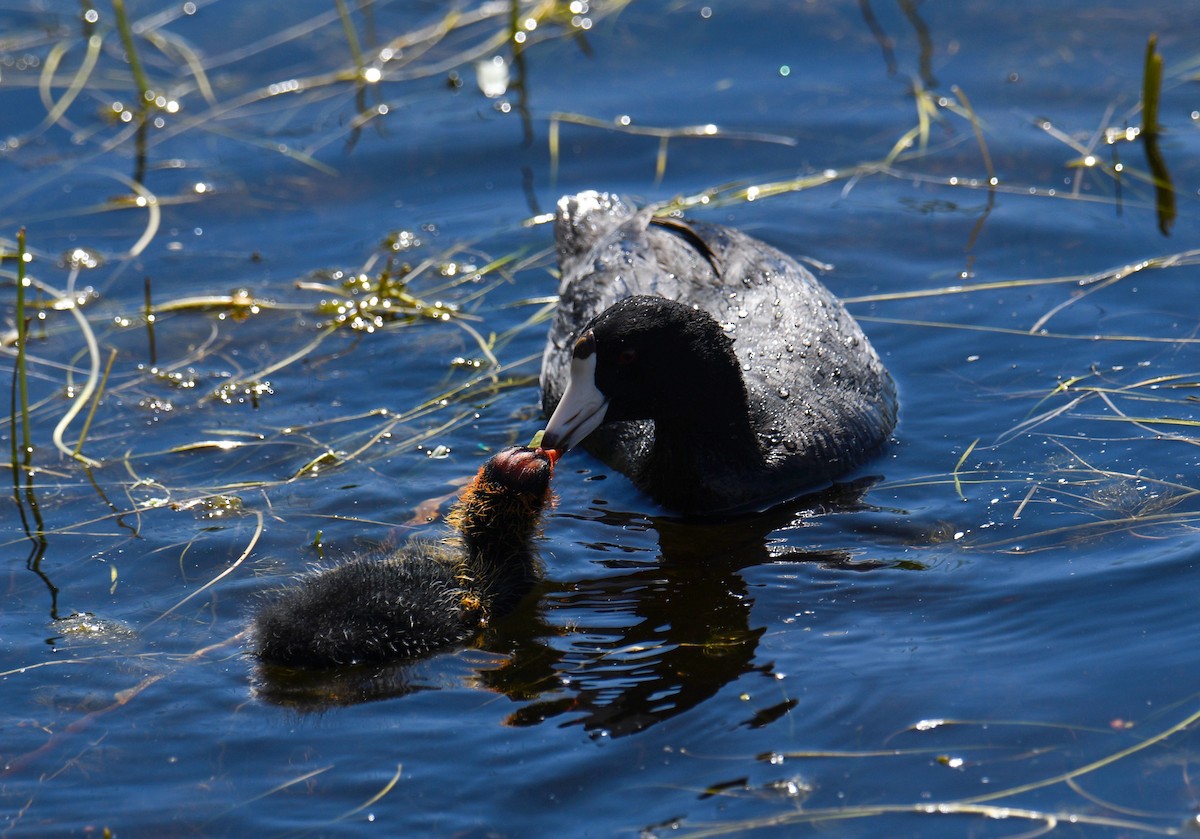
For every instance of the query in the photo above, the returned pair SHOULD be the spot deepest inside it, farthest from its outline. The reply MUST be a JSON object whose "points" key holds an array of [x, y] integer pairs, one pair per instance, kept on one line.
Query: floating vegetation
{"points": [[1005, 800], [242, 392], [624, 124], [212, 506], [86, 626], [391, 289], [184, 379], [363, 303], [1082, 417]]}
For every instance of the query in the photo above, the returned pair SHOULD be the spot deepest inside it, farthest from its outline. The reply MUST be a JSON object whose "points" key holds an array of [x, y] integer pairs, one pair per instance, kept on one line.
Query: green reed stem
{"points": [[1151, 87], [96, 401], [351, 38], [12, 408], [1164, 190], [958, 468], [22, 339], [12, 438], [135, 63], [149, 315], [145, 97]]}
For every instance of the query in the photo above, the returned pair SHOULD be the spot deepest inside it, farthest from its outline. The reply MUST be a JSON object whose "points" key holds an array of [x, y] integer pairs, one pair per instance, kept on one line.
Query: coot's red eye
{"points": [[626, 357]]}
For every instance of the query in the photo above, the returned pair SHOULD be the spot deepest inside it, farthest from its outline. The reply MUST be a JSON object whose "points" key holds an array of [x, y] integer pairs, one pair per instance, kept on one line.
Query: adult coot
{"points": [[712, 369], [426, 595]]}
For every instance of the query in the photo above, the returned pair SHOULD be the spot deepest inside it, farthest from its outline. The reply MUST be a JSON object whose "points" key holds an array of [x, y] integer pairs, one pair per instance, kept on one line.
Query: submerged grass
{"points": [[437, 290], [20, 408], [1008, 802]]}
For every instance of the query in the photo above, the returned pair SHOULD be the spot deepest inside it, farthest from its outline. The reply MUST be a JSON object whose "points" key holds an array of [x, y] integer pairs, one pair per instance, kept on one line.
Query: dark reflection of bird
{"points": [[667, 632], [426, 595], [711, 368]]}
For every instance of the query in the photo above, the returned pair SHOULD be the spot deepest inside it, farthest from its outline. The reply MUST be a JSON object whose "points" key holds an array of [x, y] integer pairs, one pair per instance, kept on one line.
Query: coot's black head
{"points": [[647, 358]]}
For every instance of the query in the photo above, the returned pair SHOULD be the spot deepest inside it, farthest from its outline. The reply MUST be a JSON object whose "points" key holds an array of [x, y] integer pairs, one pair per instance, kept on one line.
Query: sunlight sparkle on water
{"points": [[492, 76], [289, 86]]}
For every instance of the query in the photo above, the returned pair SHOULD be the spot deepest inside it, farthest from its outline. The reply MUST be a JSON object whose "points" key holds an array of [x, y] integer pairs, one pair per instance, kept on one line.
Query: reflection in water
{"points": [[652, 643], [22, 455], [925, 59], [520, 81], [617, 654], [33, 525], [320, 690], [888, 44]]}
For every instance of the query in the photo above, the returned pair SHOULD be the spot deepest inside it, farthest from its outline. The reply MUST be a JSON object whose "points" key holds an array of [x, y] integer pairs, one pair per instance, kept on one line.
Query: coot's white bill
{"points": [[581, 410]]}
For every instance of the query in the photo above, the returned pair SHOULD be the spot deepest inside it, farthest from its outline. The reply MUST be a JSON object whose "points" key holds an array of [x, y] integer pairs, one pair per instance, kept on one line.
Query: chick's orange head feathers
{"points": [[520, 468]]}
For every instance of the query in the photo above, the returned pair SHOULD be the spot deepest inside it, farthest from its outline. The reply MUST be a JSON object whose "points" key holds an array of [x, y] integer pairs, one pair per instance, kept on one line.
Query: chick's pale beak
{"points": [[581, 410]]}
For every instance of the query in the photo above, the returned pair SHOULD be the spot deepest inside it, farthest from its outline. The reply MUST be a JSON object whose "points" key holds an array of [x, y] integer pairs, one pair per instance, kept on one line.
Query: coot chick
{"points": [[712, 369], [426, 595]]}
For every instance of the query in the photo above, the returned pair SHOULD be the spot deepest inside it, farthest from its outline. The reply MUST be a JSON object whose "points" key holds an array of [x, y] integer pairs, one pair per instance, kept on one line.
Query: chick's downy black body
{"points": [[712, 369], [427, 595]]}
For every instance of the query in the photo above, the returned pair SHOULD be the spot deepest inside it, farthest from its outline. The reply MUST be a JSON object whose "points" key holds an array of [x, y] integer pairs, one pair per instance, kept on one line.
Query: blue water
{"points": [[991, 631]]}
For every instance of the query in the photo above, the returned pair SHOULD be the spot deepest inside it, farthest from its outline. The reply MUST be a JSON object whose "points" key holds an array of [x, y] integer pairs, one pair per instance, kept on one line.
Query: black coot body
{"points": [[712, 369], [426, 595]]}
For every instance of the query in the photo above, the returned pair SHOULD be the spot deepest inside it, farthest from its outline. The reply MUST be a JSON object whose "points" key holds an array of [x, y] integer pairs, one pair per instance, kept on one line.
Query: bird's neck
{"points": [[497, 530], [690, 467]]}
